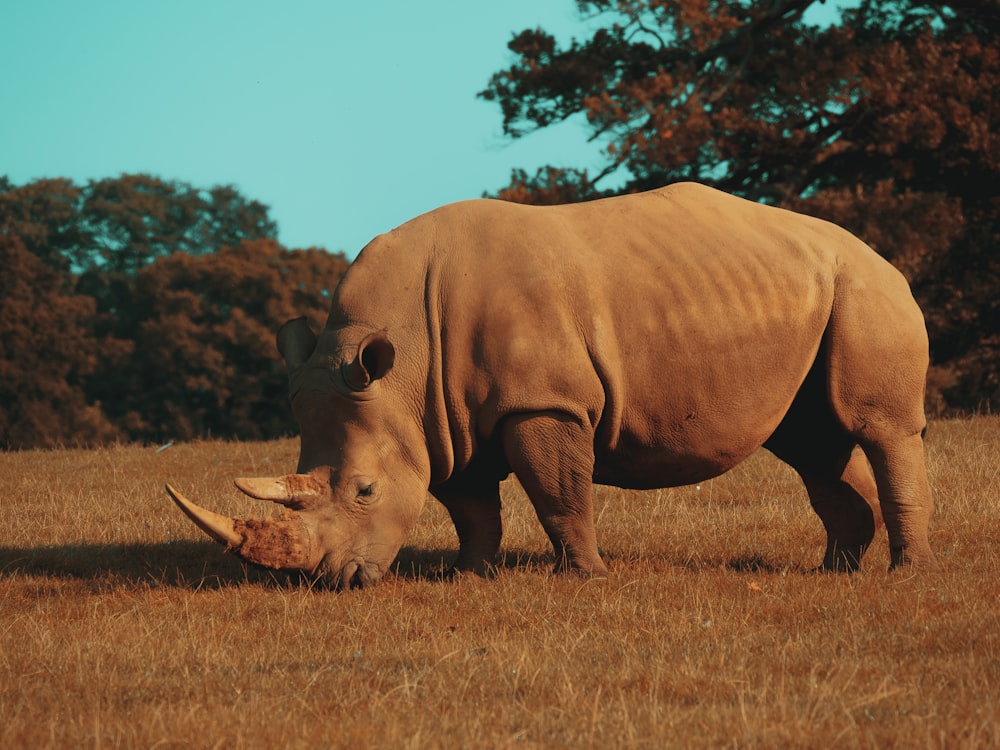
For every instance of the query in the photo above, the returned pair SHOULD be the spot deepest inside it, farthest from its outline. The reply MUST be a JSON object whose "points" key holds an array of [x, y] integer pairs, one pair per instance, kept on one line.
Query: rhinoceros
{"points": [[645, 341]]}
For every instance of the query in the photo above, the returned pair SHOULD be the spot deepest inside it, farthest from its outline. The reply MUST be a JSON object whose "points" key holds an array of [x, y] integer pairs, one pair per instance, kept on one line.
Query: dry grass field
{"points": [[122, 626]]}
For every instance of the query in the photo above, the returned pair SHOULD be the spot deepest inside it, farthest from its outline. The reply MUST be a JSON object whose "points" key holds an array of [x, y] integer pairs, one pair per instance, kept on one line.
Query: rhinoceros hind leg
{"points": [[552, 455], [840, 485], [876, 364], [842, 491], [905, 495], [846, 500]]}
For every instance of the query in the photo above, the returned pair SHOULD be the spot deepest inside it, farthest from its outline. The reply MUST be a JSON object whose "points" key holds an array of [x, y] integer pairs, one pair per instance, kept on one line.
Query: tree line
{"points": [[134, 308]]}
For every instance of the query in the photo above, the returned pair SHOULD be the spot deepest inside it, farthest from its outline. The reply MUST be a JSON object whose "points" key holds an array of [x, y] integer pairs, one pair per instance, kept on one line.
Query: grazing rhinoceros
{"points": [[646, 341]]}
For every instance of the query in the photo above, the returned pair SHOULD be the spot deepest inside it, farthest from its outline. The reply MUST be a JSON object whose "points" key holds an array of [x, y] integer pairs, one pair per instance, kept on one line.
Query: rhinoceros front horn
{"points": [[279, 543], [220, 528]]}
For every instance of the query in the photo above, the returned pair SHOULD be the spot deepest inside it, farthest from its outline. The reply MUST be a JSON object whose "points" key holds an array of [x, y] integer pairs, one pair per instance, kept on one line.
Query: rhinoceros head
{"points": [[361, 481]]}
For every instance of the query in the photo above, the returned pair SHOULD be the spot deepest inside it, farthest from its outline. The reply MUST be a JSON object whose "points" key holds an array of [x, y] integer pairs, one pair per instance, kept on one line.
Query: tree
{"points": [[120, 224], [885, 121], [133, 219], [47, 352], [44, 216], [204, 359], [134, 308]]}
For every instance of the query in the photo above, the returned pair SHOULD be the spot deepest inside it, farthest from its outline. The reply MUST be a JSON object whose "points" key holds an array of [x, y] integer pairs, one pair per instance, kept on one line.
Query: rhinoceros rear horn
{"points": [[375, 358], [296, 491], [279, 543], [296, 342]]}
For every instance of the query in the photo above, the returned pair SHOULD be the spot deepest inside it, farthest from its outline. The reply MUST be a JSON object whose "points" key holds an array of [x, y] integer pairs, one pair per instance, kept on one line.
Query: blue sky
{"points": [[345, 118]]}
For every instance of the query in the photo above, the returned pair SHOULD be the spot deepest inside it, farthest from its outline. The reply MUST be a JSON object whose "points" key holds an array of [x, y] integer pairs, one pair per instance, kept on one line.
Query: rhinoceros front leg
{"points": [[552, 456], [474, 507]]}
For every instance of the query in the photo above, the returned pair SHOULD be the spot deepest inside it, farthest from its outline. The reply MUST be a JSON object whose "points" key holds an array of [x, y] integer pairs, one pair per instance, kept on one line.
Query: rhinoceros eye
{"points": [[366, 491]]}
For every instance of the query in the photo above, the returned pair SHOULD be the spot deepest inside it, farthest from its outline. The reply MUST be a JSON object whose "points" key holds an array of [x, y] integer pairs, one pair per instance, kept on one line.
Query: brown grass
{"points": [[122, 626]]}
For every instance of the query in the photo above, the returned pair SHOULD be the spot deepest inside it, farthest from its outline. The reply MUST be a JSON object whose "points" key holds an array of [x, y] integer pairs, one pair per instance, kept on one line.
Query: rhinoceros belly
{"points": [[635, 465]]}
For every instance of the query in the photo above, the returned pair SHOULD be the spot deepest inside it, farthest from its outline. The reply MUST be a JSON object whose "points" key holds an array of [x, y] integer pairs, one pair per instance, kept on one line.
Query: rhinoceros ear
{"points": [[376, 355], [296, 342]]}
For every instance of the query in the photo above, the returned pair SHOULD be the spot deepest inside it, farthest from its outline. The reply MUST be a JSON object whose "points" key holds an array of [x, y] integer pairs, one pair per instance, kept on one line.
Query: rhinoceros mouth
{"points": [[358, 573]]}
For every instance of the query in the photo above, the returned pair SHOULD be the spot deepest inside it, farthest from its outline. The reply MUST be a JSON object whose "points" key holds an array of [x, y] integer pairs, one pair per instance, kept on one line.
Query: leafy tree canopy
{"points": [[134, 308], [203, 328], [47, 350], [885, 121], [123, 223]]}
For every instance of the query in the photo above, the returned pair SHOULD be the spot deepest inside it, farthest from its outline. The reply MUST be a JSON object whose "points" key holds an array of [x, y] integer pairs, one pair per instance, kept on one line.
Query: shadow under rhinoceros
{"points": [[416, 563], [185, 564], [205, 565]]}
